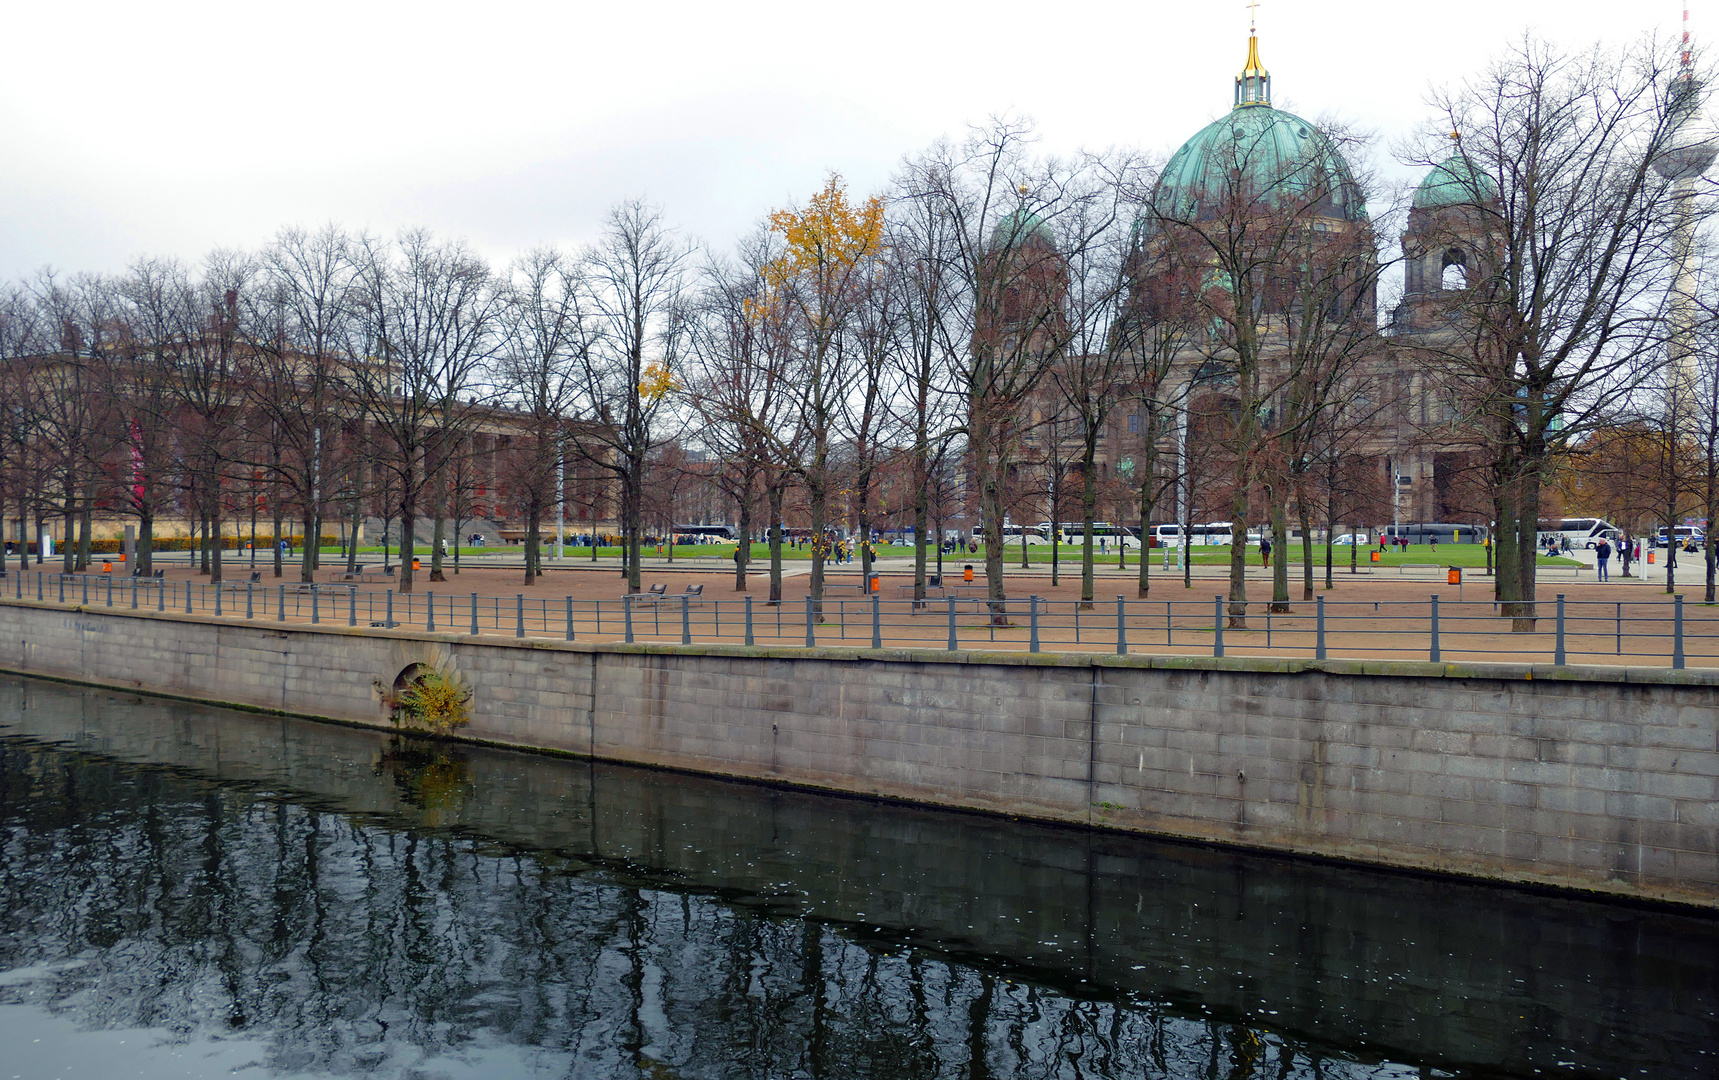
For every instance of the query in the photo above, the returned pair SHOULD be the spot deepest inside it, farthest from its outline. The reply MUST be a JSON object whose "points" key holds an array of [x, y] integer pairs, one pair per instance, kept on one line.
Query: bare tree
{"points": [[635, 277], [539, 372], [426, 328], [1572, 234]]}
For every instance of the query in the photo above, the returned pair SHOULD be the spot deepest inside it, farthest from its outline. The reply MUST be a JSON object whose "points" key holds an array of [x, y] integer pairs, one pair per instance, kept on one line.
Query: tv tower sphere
{"points": [[1693, 146]]}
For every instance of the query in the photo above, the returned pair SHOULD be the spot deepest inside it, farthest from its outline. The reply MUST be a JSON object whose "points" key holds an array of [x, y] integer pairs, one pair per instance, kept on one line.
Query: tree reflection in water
{"points": [[360, 904]]}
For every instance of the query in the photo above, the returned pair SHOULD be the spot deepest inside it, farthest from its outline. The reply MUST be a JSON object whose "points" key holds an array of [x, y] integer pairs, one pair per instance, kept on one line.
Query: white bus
{"points": [[1074, 532], [1032, 534], [1582, 532], [1212, 532]]}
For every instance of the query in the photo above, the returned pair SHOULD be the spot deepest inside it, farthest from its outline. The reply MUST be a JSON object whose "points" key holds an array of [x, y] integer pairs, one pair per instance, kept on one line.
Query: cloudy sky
{"points": [[172, 128]]}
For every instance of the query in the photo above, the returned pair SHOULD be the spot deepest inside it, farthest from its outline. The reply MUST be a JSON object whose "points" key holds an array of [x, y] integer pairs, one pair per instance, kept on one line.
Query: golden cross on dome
{"points": [[1252, 15]]}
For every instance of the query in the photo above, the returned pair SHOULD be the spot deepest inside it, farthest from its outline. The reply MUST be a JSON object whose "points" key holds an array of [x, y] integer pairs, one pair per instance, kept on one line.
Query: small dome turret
{"points": [[1021, 227], [1455, 181]]}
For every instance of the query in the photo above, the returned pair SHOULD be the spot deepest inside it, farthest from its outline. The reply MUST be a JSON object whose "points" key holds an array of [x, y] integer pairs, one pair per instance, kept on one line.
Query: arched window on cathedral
{"points": [[1455, 272]]}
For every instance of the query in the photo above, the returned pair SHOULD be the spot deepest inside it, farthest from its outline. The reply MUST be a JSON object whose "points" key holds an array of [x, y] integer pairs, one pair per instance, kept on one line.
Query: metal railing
{"points": [[1431, 629]]}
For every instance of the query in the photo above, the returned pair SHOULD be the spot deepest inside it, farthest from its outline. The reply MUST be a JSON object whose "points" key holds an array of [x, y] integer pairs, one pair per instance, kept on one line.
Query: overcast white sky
{"points": [[172, 128]]}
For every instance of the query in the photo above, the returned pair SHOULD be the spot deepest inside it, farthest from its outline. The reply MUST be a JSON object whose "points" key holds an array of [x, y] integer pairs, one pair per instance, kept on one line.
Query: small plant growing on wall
{"points": [[429, 699]]}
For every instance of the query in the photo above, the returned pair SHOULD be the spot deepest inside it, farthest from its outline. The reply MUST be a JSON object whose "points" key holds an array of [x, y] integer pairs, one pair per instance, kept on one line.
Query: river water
{"points": [[188, 891]]}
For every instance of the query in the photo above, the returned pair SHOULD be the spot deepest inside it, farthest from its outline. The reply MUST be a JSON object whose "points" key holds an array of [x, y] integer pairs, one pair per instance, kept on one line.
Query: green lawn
{"points": [[1466, 555]]}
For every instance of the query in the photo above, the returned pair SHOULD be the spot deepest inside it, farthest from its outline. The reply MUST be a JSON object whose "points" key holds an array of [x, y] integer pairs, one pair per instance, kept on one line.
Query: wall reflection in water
{"points": [[345, 902]]}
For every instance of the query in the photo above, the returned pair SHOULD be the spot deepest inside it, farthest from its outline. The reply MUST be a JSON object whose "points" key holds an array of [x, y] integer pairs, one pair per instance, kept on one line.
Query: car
{"points": [[1351, 540], [1692, 539]]}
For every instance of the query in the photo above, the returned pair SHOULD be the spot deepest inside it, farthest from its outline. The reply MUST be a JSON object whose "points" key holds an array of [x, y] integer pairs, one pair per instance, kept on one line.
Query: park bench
{"points": [[650, 595], [359, 574], [692, 597], [255, 578], [905, 591], [149, 579]]}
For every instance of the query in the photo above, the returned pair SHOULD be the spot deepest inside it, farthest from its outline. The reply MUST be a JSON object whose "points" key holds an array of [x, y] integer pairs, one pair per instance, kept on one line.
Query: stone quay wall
{"points": [[1591, 778]]}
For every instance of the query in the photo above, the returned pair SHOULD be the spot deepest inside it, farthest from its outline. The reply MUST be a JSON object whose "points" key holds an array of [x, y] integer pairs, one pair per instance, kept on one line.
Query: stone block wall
{"points": [[1591, 778]]}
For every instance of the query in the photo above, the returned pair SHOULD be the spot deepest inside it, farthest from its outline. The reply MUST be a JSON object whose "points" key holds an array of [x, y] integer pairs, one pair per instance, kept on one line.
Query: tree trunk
{"points": [[1148, 505], [1279, 548], [533, 523], [1088, 511], [775, 501], [408, 525], [1237, 610]]}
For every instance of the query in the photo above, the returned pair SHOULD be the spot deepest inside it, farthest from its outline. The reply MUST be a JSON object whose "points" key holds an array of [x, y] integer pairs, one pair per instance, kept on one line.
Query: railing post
{"points": [[61, 578], [189, 610], [352, 605], [250, 600], [315, 604], [38, 584], [430, 618], [952, 645], [1033, 623], [160, 596], [1677, 633], [1433, 651], [685, 621], [749, 620], [110, 591], [1217, 626], [1121, 627], [1558, 652], [569, 618], [518, 615], [387, 609], [626, 610], [810, 639], [1319, 631], [280, 604], [1620, 627], [217, 599], [876, 623], [133, 592], [475, 617]]}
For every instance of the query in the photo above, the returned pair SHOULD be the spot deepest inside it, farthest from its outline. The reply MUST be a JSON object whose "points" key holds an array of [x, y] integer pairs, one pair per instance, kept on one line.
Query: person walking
{"points": [[1625, 554], [1602, 556], [1265, 550]]}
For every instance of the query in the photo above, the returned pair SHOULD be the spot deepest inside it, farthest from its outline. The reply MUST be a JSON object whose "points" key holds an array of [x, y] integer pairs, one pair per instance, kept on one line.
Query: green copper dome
{"points": [[1454, 182], [1020, 227], [1271, 152]]}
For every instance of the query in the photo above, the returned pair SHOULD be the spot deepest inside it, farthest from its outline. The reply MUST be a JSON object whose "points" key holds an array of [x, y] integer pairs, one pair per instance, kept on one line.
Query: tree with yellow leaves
{"points": [[829, 261]]}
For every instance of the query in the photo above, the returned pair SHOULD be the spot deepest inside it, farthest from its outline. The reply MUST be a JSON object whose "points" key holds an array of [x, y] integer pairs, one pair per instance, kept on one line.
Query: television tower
{"points": [[1692, 152]]}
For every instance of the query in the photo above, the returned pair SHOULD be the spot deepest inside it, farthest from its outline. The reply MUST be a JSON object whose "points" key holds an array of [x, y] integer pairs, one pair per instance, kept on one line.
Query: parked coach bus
{"points": [[1212, 532], [1073, 532], [1580, 532]]}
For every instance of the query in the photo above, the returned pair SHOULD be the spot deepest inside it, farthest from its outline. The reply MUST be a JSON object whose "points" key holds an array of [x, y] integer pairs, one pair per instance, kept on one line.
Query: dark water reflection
{"points": [[187, 891]]}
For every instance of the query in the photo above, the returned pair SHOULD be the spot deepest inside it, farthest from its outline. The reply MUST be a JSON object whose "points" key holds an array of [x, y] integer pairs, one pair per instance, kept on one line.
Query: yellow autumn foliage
{"points": [[827, 240], [657, 382]]}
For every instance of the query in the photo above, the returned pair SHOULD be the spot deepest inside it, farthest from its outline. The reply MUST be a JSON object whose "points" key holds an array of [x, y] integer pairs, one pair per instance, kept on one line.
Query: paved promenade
{"points": [[1389, 614]]}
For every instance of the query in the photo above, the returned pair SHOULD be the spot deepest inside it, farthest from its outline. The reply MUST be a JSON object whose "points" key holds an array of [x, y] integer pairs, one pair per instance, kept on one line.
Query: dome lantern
{"points": [[1253, 85]]}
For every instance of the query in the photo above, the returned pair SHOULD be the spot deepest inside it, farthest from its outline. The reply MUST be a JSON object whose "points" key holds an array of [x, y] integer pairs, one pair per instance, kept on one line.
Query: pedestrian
{"points": [[1432, 542], [1264, 550], [1626, 554], [1602, 556]]}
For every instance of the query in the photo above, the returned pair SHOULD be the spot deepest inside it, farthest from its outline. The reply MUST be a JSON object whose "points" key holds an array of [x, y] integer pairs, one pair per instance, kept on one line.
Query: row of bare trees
{"points": [[331, 376]]}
